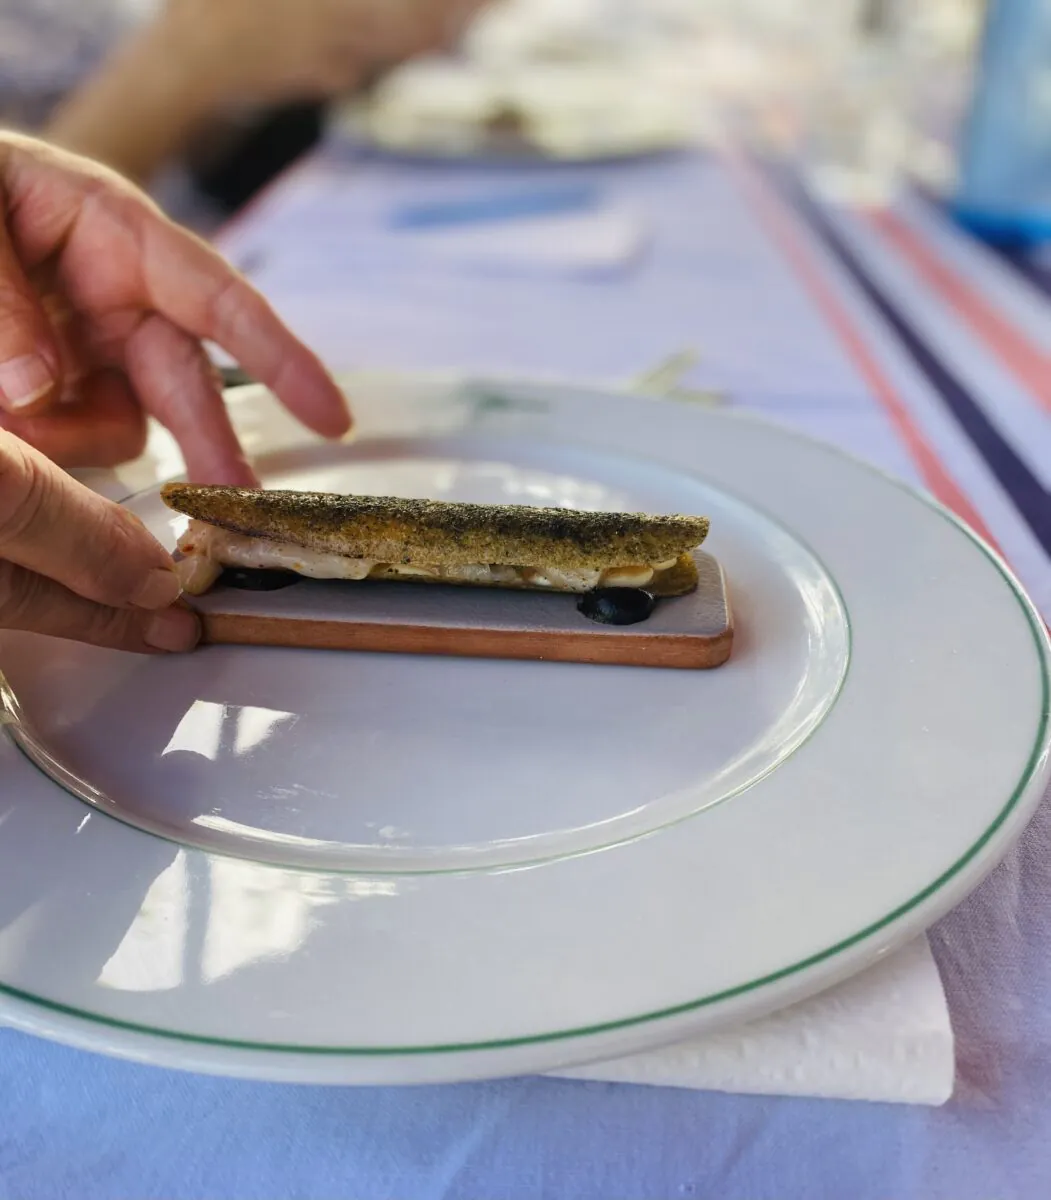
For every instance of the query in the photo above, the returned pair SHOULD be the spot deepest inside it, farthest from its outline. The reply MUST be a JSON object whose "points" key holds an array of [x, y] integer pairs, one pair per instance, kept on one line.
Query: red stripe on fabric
{"points": [[781, 226], [1030, 365]]}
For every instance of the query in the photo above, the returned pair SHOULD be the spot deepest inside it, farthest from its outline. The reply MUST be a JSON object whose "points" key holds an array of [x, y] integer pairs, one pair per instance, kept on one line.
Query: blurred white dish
{"points": [[574, 112]]}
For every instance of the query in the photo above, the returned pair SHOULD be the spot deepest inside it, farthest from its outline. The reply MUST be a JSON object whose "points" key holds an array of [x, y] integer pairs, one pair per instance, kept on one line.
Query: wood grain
{"points": [[685, 632]]}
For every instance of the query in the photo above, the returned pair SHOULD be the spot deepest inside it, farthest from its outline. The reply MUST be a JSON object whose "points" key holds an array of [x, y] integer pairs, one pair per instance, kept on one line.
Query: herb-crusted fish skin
{"points": [[428, 532]]}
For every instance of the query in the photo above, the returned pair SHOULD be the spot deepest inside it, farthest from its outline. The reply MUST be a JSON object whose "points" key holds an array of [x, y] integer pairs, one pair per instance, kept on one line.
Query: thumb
{"points": [[36, 604], [29, 370]]}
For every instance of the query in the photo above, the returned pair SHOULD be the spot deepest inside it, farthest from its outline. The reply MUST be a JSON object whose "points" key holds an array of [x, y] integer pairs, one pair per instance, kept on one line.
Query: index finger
{"points": [[196, 289], [120, 256]]}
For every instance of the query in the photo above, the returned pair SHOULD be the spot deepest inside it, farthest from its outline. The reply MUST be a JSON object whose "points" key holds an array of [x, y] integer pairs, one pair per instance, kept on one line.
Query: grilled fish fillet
{"points": [[356, 537]]}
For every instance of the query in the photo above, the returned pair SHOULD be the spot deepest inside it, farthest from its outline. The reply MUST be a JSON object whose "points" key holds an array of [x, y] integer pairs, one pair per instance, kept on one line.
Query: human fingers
{"points": [[117, 257], [176, 382], [103, 427], [53, 526], [202, 294], [158, 267], [30, 372], [66, 332], [37, 604]]}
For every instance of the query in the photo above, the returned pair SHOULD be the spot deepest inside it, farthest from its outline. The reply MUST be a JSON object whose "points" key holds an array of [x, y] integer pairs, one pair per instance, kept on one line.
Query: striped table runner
{"points": [[953, 341]]}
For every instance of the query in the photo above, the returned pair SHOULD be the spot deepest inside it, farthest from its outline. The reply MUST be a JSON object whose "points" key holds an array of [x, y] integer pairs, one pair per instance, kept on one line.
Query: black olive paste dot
{"points": [[617, 605], [257, 579]]}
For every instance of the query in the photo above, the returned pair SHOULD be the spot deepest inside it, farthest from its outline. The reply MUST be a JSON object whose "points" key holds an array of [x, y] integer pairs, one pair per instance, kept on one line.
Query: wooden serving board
{"points": [[694, 631]]}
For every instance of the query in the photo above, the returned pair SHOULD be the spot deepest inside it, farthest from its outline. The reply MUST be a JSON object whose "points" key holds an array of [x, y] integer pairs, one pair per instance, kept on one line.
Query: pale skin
{"points": [[200, 58], [104, 304]]}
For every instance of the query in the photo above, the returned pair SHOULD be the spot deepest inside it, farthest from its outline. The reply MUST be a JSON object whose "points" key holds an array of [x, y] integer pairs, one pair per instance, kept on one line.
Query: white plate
{"points": [[354, 868]]}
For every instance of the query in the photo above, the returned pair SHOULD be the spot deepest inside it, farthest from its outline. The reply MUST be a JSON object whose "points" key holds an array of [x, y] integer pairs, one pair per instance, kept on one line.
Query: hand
{"points": [[103, 305], [273, 50], [74, 565]]}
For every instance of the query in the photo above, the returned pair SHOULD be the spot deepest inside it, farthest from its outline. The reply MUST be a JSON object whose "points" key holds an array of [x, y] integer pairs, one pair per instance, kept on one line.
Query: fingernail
{"points": [[174, 630], [159, 589], [24, 380]]}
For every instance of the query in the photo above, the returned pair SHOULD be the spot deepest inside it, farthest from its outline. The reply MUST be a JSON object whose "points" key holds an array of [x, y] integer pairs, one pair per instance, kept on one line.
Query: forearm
{"points": [[142, 108]]}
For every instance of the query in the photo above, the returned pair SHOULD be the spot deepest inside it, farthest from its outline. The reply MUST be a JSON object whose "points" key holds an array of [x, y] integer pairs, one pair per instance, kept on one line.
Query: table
{"points": [[889, 333]]}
